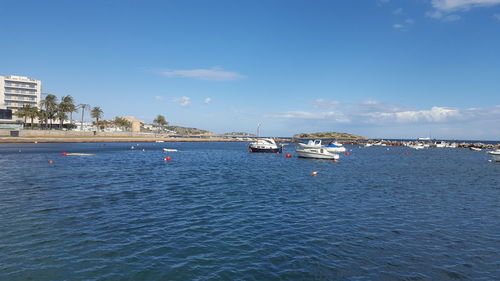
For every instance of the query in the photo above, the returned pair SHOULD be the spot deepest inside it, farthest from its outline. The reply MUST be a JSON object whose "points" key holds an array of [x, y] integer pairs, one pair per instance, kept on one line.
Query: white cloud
{"points": [[325, 104], [444, 8], [435, 114], [454, 5], [496, 16], [207, 101], [331, 115], [159, 98], [398, 26], [214, 74], [183, 101]]}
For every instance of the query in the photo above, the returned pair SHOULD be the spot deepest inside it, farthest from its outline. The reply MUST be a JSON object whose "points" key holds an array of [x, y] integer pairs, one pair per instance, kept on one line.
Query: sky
{"points": [[380, 69]]}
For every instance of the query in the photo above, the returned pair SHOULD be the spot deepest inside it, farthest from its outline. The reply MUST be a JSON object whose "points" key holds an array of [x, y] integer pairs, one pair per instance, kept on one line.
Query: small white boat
{"points": [[495, 155], [159, 141], [331, 147], [169, 150], [265, 145], [475, 148], [417, 146], [316, 153], [368, 144]]}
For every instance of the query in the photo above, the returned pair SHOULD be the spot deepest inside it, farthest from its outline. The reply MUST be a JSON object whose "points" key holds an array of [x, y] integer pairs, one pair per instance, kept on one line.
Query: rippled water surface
{"points": [[217, 212]]}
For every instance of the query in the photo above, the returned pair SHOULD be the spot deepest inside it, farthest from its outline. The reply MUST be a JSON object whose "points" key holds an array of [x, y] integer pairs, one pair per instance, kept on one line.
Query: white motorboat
{"points": [[265, 145], [331, 147], [169, 150], [316, 153], [417, 146], [495, 155], [475, 148], [368, 144]]}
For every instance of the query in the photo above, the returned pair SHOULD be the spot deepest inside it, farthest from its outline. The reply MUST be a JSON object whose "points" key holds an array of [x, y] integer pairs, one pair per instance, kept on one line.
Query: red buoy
{"points": [[288, 155], [347, 153], [251, 150], [64, 154], [167, 158]]}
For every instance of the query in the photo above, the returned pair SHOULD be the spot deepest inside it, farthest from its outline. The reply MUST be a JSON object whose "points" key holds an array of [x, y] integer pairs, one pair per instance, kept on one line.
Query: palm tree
{"points": [[61, 115], [50, 104], [42, 116], [23, 113], [32, 114], [160, 120], [83, 107], [122, 123], [68, 106], [96, 113]]}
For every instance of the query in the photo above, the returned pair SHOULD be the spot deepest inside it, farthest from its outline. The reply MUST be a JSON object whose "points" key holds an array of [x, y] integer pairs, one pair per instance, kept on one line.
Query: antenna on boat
{"points": [[258, 128]]}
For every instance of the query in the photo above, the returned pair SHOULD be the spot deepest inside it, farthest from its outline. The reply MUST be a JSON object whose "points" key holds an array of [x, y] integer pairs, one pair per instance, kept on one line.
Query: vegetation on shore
{"points": [[327, 135]]}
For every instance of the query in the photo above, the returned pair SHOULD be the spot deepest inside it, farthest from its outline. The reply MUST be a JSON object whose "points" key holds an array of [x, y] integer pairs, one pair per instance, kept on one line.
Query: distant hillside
{"points": [[327, 135], [184, 131], [239, 134]]}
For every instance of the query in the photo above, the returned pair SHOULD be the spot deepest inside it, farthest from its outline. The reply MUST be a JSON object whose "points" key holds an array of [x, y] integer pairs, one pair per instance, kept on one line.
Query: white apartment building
{"points": [[16, 91]]}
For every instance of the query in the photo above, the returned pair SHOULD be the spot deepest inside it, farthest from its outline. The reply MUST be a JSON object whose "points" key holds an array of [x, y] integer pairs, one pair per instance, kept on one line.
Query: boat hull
{"points": [[495, 155], [316, 155], [266, 150]]}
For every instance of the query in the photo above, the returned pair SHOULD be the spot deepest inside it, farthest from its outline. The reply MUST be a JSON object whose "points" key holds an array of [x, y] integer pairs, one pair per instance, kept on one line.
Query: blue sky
{"points": [[381, 68]]}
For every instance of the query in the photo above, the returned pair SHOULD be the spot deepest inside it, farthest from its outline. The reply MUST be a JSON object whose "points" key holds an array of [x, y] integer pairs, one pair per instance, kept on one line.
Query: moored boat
{"points": [[266, 145], [316, 153], [331, 147], [495, 154]]}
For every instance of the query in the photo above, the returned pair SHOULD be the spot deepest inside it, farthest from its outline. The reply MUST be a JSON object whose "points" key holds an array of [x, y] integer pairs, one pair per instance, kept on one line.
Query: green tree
{"points": [[96, 113], [83, 106], [160, 121], [67, 106], [50, 105], [32, 114], [122, 123], [23, 113]]}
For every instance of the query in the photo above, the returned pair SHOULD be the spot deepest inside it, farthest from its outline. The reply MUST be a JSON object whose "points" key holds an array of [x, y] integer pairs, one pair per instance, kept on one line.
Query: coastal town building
{"points": [[15, 92]]}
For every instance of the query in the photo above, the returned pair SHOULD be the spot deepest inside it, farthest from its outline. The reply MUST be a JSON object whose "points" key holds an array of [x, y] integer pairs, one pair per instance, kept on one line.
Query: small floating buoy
{"points": [[405, 153], [64, 154], [167, 158], [334, 160], [251, 150], [132, 147], [346, 153], [143, 150], [288, 155], [315, 173], [51, 162]]}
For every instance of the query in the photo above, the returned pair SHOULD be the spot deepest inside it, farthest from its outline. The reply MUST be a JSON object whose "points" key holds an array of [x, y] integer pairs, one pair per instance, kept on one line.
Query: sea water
{"points": [[217, 212]]}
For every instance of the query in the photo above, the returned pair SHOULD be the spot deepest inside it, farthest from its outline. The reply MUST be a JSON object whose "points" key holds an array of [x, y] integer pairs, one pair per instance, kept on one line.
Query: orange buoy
{"points": [[51, 162], [288, 155], [167, 158], [334, 160], [64, 154]]}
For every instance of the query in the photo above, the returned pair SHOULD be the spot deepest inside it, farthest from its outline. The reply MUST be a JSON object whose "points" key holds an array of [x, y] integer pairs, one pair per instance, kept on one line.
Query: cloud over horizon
{"points": [[444, 9], [373, 112], [213, 74], [183, 101]]}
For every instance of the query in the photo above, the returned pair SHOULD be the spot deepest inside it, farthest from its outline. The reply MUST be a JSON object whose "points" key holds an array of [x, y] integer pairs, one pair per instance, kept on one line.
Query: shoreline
{"points": [[97, 139], [145, 139]]}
